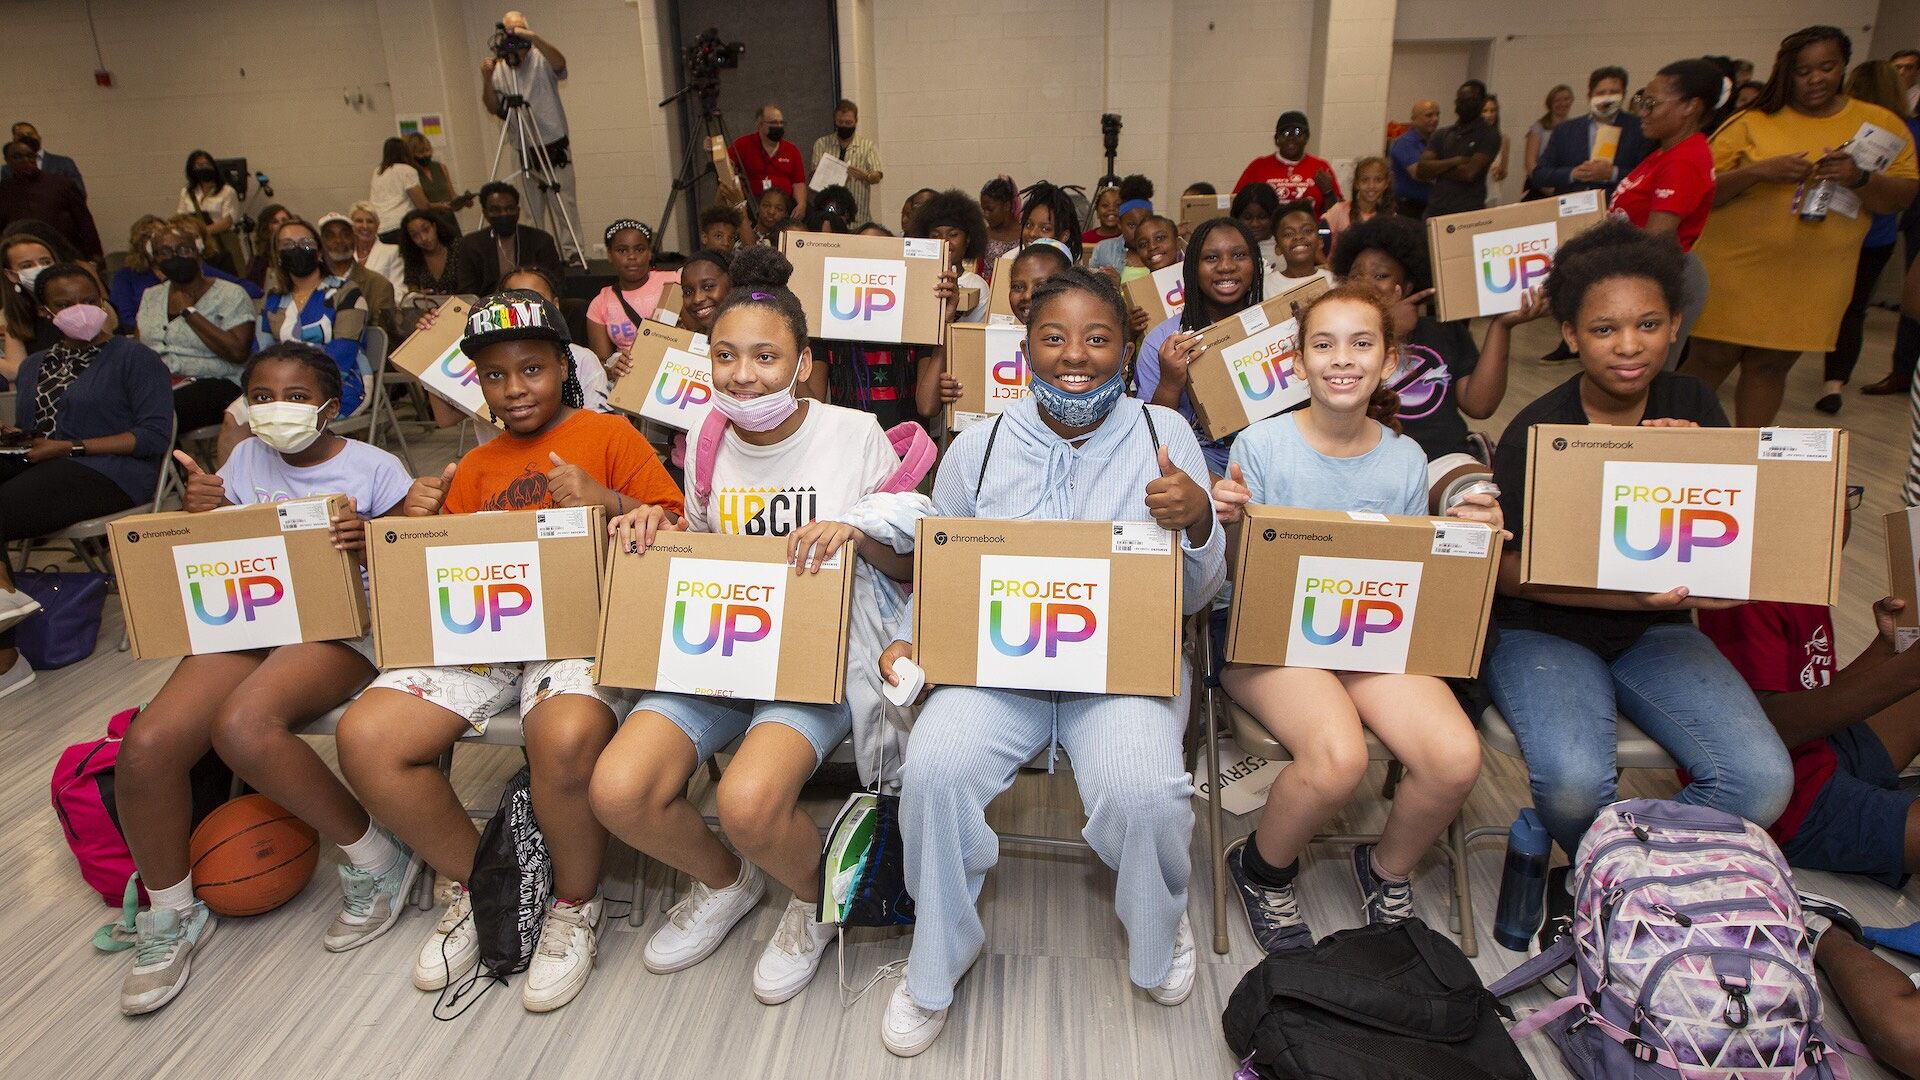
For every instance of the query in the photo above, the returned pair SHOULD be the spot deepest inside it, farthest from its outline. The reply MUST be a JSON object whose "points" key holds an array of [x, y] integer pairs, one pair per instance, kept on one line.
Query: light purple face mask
{"points": [[764, 413], [81, 322]]}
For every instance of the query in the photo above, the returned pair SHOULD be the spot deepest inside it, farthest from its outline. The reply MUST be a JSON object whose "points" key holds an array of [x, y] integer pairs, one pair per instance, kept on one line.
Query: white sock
{"points": [[373, 852], [178, 896]]}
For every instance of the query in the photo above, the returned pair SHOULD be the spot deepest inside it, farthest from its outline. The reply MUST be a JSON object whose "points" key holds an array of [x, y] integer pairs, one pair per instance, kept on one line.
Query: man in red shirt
{"points": [[765, 159], [1293, 173], [1851, 731]]}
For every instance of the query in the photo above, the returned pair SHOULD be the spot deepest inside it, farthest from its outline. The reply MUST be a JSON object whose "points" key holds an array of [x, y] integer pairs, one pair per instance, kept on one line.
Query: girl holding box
{"points": [[553, 453], [1077, 448]]}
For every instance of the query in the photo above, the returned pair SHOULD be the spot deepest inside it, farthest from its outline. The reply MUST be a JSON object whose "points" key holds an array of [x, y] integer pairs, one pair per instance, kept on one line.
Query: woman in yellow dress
{"points": [[1781, 283]]}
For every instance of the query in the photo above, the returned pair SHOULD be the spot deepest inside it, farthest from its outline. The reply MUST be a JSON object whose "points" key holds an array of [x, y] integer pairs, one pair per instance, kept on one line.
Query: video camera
{"points": [[708, 56], [505, 41]]}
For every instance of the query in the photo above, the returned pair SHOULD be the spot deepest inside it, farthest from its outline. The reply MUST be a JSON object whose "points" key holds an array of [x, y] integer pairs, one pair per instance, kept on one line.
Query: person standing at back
{"points": [[62, 165], [532, 68], [1574, 158], [765, 159], [1456, 159], [1293, 173], [858, 151], [1559, 103], [1410, 193]]}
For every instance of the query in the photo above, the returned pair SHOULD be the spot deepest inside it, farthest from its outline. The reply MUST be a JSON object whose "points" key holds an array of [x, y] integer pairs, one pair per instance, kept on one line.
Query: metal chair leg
{"points": [[637, 890], [1462, 888]]}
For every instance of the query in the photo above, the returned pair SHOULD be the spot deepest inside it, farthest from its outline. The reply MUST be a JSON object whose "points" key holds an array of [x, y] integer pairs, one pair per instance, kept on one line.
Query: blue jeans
{"points": [[1560, 698]]}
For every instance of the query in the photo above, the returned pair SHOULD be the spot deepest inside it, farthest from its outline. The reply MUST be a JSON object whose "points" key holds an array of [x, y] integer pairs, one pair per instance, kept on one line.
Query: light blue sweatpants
{"points": [[966, 748]]}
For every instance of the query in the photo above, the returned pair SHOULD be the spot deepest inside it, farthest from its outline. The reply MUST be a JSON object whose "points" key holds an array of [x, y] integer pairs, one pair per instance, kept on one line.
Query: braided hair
{"points": [[1779, 89], [1199, 313]]}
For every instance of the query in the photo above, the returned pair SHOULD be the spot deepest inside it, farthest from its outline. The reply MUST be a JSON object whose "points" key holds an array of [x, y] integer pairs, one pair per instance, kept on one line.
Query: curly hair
{"points": [[1611, 249], [953, 209], [1398, 238], [759, 278]]}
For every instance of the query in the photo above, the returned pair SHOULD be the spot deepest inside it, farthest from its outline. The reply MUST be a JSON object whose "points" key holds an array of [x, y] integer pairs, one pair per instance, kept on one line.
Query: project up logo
{"points": [[720, 628], [238, 594], [486, 602], [1353, 614], [861, 298], [1043, 623], [1667, 524]]}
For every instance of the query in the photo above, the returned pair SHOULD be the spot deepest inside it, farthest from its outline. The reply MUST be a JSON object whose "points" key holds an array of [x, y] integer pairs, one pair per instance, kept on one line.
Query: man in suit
{"points": [[483, 258], [29, 194], [52, 164], [1568, 162]]}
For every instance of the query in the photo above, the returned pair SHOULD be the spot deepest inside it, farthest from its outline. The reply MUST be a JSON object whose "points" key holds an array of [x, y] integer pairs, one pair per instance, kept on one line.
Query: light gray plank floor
{"points": [[1048, 999]]}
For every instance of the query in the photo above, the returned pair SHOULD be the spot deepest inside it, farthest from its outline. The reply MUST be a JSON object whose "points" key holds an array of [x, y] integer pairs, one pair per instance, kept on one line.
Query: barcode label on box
{"points": [[1366, 515], [303, 515], [1467, 539], [1796, 444], [560, 524], [1001, 318], [1141, 538], [1904, 637], [922, 248], [1254, 319], [964, 420], [1580, 202], [698, 346]]}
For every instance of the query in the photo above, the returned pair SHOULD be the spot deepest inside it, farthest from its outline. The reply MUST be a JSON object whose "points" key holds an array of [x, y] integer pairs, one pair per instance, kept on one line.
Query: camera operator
{"points": [[530, 65]]}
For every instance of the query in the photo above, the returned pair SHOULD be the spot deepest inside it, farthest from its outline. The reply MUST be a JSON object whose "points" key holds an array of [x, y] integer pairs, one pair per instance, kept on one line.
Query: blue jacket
{"points": [[1571, 143], [126, 388], [58, 165]]}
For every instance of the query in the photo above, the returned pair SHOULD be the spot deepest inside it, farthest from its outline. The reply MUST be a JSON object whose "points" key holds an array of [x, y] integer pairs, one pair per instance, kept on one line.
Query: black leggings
{"points": [[39, 499], [199, 403], [1846, 348]]}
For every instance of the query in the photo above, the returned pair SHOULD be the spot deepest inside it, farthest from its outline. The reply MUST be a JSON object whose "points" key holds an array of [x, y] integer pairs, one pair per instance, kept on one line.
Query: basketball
{"points": [[251, 855]]}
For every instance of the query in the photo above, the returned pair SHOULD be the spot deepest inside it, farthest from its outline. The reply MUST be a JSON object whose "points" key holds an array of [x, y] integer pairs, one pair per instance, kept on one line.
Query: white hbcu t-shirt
{"points": [[820, 471]]}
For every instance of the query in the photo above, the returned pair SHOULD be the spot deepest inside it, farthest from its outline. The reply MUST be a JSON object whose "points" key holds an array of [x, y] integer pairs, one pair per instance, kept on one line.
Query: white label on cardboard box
{"points": [[561, 523], [1007, 380], [1043, 623], [665, 317], [720, 628], [1141, 538], [1261, 368], [452, 376], [1001, 318], [1468, 539], [486, 604], [1904, 637], [1224, 202], [1353, 614], [237, 594], [1508, 262], [1664, 524], [861, 299], [964, 420], [682, 392], [1254, 319], [1366, 515], [1580, 202], [303, 514], [1796, 444], [1170, 282], [699, 346], [923, 248]]}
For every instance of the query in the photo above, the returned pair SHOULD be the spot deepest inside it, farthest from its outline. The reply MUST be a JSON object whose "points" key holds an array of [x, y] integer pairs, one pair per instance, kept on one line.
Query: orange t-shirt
{"points": [[510, 472]]}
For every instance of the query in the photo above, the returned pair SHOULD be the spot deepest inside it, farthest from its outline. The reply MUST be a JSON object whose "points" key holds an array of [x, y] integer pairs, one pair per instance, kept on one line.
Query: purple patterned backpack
{"points": [[1691, 957]]}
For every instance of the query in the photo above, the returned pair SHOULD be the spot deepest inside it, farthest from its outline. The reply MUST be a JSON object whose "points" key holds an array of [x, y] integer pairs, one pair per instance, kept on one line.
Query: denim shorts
{"points": [[713, 723], [1858, 822]]}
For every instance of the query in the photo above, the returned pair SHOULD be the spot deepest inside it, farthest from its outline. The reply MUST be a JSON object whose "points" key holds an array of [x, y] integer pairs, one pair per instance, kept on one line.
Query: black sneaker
{"points": [[1559, 920], [1271, 913], [1380, 901]]}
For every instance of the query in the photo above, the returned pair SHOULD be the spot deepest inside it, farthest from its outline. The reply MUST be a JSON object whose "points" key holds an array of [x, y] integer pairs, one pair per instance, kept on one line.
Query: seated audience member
{"points": [[719, 228], [435, 182], [955, 218], [1000, 206], [1372, 194], [614, 317], [369, 250], [593, 375], [427, 265], [873, 228], [1222, 279], [1136, 205], [301, 306], [1293, 173], [28, 329], [1565, 660], [202, 328], [1568, 163], [1047, 210], [1106, 213], [484, 257], [1457, 158], [95, 413], [260, 266], [340, 268], [1296, 240], [139, 273], [1035, 263], [49, 162], [28, 194], [772, 209], [209, 197], [912, 206], [1156, 243], [1257, 207]]}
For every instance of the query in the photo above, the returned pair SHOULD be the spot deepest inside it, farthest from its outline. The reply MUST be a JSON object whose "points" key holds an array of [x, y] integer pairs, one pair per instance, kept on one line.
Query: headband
{"points": [[1726, 92], [628, 223], [1049, 241], [1135, 204]]}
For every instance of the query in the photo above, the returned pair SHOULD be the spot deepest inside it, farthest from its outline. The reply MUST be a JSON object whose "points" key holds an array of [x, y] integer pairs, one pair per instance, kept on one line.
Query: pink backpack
{"points": [[910, 442]]}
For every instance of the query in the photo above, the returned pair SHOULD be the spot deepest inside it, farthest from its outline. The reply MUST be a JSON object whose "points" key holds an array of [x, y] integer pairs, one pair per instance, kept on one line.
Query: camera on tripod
{"points": [[1110, 132], [504, 42], [708, 56]]}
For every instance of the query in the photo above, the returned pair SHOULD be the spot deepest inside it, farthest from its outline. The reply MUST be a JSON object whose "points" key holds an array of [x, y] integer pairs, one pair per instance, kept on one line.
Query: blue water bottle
{"points": [[1523, 882]]}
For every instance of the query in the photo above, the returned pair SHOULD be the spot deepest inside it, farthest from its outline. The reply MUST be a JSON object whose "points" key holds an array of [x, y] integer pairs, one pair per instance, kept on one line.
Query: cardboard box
{"points": [[1485, 260], [247, 577], [1090, 606], [1161, 294], [718, 150], [673, 300], [1903, 567], [1739, 513], [868, 288], [1000, 291], [1195, 209], [433, 356], [671, 380], [1244, 372], [725, 616], [991, 364], [1361, 591], [486, 588]]}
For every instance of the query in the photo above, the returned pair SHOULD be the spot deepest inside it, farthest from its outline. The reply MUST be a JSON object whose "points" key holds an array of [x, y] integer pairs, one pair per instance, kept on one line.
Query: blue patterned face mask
{"points": [[1081, 410]]}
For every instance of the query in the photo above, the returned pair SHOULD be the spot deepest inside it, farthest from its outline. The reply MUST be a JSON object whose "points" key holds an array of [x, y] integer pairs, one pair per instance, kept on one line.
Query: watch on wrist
{"points": [[189, 310], [1865, 179], [77, 449]]}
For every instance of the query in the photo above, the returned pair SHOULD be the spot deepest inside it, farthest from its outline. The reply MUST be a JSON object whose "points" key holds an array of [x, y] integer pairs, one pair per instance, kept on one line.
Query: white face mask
{"points": [[286, 426], [764, 413], [1604, 105], [29, 276]]}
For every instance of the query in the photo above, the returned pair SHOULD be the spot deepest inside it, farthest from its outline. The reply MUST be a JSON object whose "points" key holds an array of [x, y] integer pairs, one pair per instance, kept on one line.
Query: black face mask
{"points": [[204, 176], [33, 144], [180, 269], [504, 225], [299, 262], [423, 159], [776, 133], [844, 132]]}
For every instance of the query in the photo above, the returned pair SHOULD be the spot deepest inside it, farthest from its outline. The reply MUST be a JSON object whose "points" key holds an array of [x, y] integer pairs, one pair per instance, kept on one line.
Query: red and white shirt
{"points": [[1677, 181], [1293, 180]]}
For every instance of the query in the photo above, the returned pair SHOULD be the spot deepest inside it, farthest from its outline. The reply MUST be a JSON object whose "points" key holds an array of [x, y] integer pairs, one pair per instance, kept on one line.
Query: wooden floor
{"points": [[1049, 998]]}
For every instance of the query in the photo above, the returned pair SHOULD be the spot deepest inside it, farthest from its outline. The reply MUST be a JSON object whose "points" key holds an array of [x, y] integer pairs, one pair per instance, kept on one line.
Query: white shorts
{"points": [[479, 692]]}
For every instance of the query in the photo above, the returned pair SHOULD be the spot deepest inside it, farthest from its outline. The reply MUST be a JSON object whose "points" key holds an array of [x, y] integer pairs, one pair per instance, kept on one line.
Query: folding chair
{"points": [[368, 421], [1633, 749]]}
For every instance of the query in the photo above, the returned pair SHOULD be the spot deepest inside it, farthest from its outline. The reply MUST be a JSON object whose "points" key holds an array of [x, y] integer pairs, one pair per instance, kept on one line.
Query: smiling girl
{"points": [[1222, 279]]}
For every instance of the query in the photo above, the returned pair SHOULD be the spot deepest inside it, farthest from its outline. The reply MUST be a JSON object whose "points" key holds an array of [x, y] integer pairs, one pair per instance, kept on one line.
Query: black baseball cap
{"points": [[514, 315], [1291, 118]]}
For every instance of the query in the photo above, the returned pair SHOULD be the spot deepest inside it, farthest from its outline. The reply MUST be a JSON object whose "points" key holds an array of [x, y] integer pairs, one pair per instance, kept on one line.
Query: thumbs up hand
{"points": [[1175, 501], [1231, 495], [428, 493], [205, 491], [569, 485]]}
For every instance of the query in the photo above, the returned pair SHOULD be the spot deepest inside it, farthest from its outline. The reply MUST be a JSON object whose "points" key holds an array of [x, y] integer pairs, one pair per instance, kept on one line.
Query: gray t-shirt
{"points": [[1282, 470], [540, 85]]}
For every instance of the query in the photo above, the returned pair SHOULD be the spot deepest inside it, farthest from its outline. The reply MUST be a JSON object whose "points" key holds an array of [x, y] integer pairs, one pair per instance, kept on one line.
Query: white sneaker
{"points": [[697, 925], [18, 677], [907, 1029], [370, 903], [163, 955], [452, 950], [1174, 989], [793, 955], [564, 957], [15, 606]]}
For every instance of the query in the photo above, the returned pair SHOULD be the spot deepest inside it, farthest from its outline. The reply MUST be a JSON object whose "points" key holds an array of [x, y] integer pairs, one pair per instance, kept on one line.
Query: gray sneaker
{"points": [[18, 677], [1272, 913], [163, 955], [15, 606], [370, 903], [1381, 901]]}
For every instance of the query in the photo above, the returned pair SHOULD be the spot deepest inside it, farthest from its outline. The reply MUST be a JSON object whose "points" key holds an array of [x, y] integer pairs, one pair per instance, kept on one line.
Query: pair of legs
{"points": [[966, 748], [203, 402], [640, 786], [1763, 377], [1319, 717], [39, 499], [1846, 349], [1561, 699], [1866, 819], [243, 706], [392, 738]]}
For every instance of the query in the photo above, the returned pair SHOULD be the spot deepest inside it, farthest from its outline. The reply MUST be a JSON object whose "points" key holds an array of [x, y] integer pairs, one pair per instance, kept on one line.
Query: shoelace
{"points": [[1395, 900], [1279, 905], [456, 913], [155, 948], [556, 941], [792, 937], [358, 888], [686, 911], [912, 1008]]}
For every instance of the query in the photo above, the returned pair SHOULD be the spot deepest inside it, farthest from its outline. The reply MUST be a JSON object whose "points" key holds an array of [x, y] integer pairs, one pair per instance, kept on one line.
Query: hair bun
{"points": [[760, 267]]}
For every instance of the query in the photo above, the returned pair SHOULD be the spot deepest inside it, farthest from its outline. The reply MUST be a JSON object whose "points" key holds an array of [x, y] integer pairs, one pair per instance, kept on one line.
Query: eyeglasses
{"points": [[1856, 494], [297, 244], [168, 252], [1646, 102]]}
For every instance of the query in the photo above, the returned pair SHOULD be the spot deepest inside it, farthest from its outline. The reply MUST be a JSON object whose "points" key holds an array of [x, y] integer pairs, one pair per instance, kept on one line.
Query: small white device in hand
{"points": [[911, 680]]}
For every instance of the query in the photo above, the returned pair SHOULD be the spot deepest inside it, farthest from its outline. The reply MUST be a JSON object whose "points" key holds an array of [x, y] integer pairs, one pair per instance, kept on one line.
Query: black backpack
{"points": [[1390, 1002]]}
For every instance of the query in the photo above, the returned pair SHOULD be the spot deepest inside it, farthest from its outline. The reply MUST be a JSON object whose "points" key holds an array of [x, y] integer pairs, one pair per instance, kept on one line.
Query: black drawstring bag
{"points": [[512, 881]]}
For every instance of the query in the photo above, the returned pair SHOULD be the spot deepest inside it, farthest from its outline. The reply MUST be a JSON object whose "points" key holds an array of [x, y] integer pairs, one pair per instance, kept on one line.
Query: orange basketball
{"points": [[251, 855]]}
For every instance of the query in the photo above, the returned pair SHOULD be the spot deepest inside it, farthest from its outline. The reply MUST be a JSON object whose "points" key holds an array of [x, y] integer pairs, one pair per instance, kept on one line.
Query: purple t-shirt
{"points": [[373, 478]]}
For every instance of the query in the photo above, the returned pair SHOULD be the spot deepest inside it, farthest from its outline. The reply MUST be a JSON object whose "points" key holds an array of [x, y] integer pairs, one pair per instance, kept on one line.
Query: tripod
{"points": [[536, 166], [695, 162]]}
